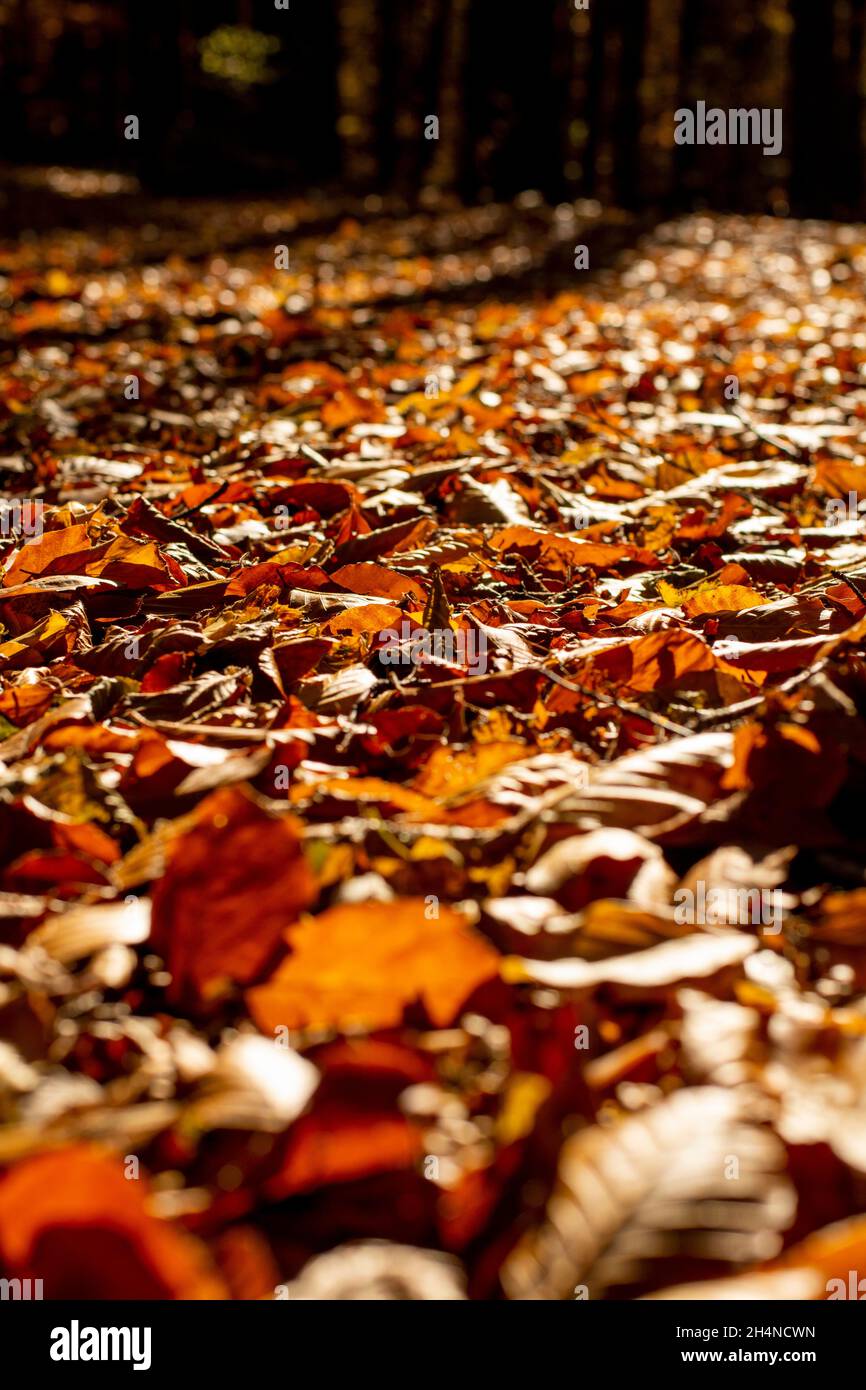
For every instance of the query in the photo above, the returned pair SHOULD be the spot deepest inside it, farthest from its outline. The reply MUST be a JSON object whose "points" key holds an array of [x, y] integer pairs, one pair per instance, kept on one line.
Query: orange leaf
{"points": [[661, 659], [448, 773], [373, 617], [713, 598], [367, 578], [557, 554], [337, 1143], [72, 1219], [359, 966], [234, 882], [134, 565], [658, 661], [37, 555]]}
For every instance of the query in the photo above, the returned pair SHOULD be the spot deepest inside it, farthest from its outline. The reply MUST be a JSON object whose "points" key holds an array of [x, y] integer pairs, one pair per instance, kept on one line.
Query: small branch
{"points": [[314, 456], [205, 502], [657, 719], [852, 584], [781, 445], [745, 707]]}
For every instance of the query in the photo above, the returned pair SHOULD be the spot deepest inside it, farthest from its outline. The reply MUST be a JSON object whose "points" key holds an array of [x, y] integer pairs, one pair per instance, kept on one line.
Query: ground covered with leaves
{"points": [[331, 968]]}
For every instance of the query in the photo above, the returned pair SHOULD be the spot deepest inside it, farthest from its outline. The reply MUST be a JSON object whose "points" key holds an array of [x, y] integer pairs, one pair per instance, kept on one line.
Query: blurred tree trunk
{"points": [[159, 104], [813, 135], [358, 86], [659, 85], [616, 41], [627, 113], [415, 47], [576, 125], [848, 59], [447, 165], [767, 70], [691, 87]]}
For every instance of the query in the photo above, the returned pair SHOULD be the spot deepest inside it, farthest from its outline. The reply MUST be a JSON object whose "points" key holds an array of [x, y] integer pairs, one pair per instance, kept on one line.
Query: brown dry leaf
{"points": [[449, 773], [692, 957], [786, 763], [657, 789], [81, 931], [233, 882], [842, 919], [378, 1270], [342, 1143], [559, 553], [372, 617], [665, 660], [723, 598], [53, 552], [367, 578], [54, 636], [826, 1265], [134, 565], [653, 1188], [608, 863], [711, 598]]}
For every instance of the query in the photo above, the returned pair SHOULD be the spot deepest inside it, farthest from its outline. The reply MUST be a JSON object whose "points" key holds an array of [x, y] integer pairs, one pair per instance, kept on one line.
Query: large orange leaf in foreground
{"points": [[72, 1219], [360, 965]]}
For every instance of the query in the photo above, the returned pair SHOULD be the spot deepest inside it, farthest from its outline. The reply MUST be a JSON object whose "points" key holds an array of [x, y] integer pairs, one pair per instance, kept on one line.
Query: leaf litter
{"points": [[341, 962]]}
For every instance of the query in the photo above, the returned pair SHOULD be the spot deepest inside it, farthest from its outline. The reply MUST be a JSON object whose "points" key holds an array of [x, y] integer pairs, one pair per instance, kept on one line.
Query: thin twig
{"points": [[745, 707], [852, 584], [315, 456], [781, 445], [205, 502], [658, 719]]}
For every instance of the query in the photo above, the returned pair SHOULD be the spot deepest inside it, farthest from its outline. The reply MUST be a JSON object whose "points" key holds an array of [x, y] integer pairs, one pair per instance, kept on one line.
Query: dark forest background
{"points": [[236, 97]]}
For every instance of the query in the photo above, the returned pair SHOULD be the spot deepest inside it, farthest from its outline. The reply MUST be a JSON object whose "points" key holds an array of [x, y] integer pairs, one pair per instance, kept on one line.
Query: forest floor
{"points": [[433, 755]]}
